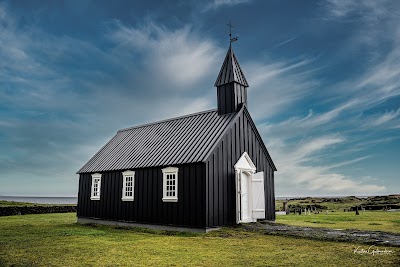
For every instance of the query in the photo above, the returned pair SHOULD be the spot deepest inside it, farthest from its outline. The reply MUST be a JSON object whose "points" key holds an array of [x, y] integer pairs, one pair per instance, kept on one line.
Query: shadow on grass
{"points": [[322, 222], [93, 229]]}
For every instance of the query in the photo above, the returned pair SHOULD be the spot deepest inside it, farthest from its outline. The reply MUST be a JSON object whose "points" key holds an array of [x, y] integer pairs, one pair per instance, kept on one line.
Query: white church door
{"points": [[258, 196], [244, 195], [250, 195]]}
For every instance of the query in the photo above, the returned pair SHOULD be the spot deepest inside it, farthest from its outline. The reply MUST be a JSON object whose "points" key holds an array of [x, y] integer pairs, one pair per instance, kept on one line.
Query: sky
{"points": [[324, 81]]}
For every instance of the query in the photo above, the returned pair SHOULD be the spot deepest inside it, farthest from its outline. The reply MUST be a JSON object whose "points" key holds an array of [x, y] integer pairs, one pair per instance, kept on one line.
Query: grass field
{"points": [[369, 220], [56, 240]]}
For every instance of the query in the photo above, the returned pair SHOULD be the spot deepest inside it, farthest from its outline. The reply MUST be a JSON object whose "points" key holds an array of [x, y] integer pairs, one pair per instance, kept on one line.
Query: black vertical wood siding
{"points": [[147, 206], [221, 202]]}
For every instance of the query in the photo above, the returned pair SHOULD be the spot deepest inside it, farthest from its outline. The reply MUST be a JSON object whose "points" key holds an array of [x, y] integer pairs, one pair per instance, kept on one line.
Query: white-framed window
{"points": [[96, 186], [128, 185], [170, 184]]}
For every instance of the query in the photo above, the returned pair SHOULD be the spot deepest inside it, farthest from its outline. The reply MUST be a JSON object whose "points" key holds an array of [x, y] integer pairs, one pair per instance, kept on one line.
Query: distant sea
{"points": [[42, 200]]}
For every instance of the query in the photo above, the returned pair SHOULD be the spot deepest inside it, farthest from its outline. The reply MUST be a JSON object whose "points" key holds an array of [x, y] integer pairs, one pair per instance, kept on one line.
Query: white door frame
{"points": [[244, 166]]}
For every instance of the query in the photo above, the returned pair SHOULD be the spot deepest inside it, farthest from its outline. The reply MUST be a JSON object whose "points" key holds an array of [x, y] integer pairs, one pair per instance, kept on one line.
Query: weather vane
{"points": [[234, 39]]}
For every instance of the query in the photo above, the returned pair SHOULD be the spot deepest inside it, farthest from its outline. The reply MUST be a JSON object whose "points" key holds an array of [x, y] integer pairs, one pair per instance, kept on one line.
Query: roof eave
{"points": [[245, 110]]}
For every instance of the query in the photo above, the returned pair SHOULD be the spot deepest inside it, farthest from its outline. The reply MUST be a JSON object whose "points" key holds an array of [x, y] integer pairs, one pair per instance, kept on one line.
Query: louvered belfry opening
{"points": [[231, 85]]}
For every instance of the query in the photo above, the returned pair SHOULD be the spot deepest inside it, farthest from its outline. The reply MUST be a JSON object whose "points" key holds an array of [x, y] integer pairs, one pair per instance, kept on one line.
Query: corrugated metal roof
{"points": [[231, 71], [179, 140]]}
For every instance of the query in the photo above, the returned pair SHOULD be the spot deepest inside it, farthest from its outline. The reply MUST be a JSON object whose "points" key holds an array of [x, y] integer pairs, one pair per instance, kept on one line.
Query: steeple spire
{"points": [[231, 85], [231, 71]]}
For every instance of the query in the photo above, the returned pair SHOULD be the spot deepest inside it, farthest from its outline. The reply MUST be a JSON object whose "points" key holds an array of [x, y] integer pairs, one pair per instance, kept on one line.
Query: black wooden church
{"points": [[200, 171]]}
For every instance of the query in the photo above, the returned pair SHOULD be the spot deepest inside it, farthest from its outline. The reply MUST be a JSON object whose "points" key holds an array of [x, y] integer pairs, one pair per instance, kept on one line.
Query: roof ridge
{"points": [[167, 120]]}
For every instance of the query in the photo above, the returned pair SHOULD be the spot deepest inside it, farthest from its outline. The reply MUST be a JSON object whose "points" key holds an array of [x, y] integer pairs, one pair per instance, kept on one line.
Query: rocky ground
{"points": [[350, 235]]}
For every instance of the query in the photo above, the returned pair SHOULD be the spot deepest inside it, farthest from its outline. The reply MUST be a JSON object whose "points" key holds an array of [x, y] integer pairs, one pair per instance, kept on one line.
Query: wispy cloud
{"points": [[168, 53], [309, 124], [62, 96], [288, 79], [301, 161], [56, 90], [372, 20], [384, 118], [285, 42], [219, 3], [367, 10], [308, 148], [299, 172]]}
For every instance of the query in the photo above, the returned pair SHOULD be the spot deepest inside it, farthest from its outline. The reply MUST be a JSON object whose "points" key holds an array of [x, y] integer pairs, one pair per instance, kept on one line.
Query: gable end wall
{"points": [[220, 175]]}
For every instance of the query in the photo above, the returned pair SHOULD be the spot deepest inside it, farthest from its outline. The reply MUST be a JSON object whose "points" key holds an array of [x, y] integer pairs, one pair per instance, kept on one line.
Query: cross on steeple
{"points": [[231, 40]]}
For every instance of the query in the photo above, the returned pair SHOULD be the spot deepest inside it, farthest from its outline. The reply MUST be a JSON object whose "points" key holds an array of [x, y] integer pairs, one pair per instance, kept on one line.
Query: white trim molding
{"points": [[128, 185], [96, 186], [245, 164], [170, 184]]}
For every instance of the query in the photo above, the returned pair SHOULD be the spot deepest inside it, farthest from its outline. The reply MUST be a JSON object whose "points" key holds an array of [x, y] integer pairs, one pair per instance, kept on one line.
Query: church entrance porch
{"points": [[250, 193]]}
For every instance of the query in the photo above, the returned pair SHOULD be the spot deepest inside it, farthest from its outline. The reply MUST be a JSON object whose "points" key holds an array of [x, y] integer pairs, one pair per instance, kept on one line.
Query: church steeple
{"points": [[231, 85]]}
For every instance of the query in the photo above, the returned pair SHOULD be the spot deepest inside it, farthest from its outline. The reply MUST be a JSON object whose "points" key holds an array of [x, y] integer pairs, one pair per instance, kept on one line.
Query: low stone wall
{"points": [[8, 211]]}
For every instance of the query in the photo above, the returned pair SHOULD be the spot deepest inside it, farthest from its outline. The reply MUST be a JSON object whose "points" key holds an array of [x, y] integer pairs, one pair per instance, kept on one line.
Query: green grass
{"points": [[56, 240], [369, 220]]}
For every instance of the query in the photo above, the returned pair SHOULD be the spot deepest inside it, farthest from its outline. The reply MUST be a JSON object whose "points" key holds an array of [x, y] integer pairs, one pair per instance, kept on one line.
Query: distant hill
{"points": [[342, 203]]}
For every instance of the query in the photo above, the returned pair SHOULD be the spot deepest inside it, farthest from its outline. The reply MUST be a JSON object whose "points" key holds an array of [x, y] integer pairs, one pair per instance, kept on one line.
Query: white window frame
{"points": [[170, 171], [125, 175], [96, 176]]}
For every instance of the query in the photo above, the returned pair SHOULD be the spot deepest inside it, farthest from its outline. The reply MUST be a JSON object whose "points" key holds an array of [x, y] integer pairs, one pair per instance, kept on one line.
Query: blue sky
{"points": [[324, 82]]}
